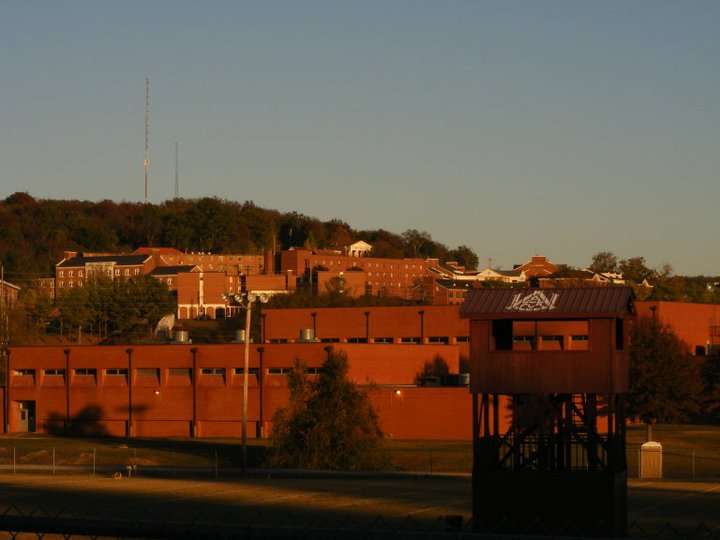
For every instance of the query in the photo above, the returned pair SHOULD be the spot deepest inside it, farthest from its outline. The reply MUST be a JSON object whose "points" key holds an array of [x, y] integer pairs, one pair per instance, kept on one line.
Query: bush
{"points": [[329, 423]]}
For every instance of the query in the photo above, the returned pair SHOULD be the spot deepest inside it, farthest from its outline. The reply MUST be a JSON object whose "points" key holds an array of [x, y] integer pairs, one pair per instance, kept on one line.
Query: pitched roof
{"points": [[122, 260], [147, 250], [553, 302], [8, 284], [455, 284], [172, 270]]}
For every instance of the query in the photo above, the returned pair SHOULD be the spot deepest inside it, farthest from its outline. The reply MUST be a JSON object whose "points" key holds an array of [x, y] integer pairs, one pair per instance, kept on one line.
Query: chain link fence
{"points": [[42, 456]]}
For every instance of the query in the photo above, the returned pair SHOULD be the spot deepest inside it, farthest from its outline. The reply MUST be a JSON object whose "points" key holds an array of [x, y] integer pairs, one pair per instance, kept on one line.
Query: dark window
{"points": [[502, 331], [279, 370], [383, 340], [330, 340], [54, 372], [579, 338], [439, 339], [619, 334], [357, 340], [148, 372], [463, 339], [699, 350], [279, 340], [86, 371], [213, 371], [312, 370], [240, 371], [410, 340], [116, 371]]}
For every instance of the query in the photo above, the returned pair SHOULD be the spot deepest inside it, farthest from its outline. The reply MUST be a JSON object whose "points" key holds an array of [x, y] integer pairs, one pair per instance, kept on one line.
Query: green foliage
{"points": [[34, 233], [123, 308], [437, 367], [329, 423], [664, 382], [604, 261], [465, 256]]}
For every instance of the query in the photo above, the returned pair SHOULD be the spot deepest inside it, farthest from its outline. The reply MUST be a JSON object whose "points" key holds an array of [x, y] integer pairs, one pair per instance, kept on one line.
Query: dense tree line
{"points": [[103, 310], [664, 284], [35, 232]]}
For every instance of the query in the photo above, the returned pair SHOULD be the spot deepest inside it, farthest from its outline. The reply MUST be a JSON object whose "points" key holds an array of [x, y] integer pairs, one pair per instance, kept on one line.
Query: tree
{"points": [[604, 261], [329, 423], [635, 270], [465, 256], [437, 367], [664, 383]]}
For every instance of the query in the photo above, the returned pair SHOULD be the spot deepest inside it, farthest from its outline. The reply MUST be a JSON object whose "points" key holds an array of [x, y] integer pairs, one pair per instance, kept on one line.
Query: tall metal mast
{"points": [[146, 163], [177, 172]]}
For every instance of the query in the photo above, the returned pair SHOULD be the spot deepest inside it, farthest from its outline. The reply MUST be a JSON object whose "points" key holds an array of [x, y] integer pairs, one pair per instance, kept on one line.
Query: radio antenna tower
{"points": [[177, 171], [146, 163]]}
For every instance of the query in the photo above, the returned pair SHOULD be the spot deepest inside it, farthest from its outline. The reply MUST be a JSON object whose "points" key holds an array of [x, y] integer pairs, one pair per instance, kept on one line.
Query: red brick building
{"points": [[8, 294], [697, 325], [75, 268], [381, 276], [185, 390], [436, 325]]}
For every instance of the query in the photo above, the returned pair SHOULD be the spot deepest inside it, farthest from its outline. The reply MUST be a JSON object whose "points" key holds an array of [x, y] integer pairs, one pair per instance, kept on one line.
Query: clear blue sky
{"points": [[560, 128]]}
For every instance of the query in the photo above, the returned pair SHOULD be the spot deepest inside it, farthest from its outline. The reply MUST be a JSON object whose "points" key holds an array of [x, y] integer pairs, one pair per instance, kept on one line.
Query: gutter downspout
{"points": [[67, 390], [130, 385], [193, 431]]}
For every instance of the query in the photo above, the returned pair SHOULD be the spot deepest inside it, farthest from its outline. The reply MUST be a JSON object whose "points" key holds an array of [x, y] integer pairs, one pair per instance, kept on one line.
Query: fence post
{"points": [[53, 464], [693, 464], [93, 465]]}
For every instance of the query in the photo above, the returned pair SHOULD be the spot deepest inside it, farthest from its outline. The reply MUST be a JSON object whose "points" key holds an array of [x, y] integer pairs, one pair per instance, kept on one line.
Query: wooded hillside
{"points": [[35, 232]]}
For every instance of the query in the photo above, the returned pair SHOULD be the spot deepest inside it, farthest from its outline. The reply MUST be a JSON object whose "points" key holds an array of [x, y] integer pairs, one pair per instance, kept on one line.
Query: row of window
{"points": [[126, 272], [418, 267], [441, 340], [155, 372]]}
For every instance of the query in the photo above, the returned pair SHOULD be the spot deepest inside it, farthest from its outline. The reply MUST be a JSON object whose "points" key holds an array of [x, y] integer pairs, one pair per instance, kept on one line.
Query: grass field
{"points": [[679, 445]]}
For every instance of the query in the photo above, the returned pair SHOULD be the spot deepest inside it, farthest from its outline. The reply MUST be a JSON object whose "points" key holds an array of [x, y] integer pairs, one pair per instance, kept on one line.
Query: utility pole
{"points": [[146, 163], [3, 312], [246, 368]]}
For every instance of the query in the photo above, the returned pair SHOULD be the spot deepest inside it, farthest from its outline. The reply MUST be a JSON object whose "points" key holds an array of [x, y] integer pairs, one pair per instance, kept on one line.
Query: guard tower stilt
{"points": [[549, 368]]}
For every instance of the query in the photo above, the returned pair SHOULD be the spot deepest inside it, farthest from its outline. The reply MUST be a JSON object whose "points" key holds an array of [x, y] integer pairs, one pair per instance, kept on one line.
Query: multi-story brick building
{"points": [[230, 263], [381, 276], [75, 268]]}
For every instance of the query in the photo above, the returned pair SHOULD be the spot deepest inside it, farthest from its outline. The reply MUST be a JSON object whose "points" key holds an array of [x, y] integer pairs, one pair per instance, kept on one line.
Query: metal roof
{"points": [[123, 260], [172, 270], [547, 303]]}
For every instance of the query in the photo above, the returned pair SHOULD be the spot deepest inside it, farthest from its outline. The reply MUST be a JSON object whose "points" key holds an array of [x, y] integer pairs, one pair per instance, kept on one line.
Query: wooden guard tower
{"points": [[549, 368]]}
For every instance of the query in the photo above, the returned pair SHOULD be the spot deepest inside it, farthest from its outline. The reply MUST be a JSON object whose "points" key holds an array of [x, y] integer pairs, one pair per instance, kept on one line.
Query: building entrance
{"points": [[26, 416]]}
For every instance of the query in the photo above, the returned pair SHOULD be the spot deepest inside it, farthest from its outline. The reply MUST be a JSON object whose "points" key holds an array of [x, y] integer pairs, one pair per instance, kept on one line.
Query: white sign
{"points": [[534, 301]]}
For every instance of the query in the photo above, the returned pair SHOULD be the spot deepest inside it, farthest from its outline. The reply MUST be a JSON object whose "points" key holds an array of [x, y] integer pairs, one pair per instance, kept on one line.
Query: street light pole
{"points": [[248, 316]]}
